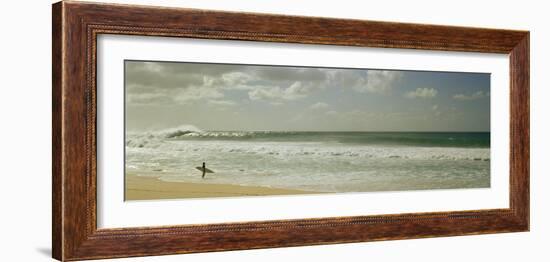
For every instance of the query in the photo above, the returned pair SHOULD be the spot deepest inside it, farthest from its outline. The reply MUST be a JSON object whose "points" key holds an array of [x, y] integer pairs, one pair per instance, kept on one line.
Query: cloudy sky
{"points": [[250, 97]]}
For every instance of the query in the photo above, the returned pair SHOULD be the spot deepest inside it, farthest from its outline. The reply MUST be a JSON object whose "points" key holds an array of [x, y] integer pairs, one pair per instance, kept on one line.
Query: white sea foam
{"points": [[317, 166], [153, 139], [328, 150]]}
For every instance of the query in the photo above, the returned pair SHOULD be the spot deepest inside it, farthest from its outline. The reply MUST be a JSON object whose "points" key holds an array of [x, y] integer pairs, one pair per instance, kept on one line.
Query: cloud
{"points": [[422, 93], [146, 98], [166, 82], [295, 91], [380, 81], [291, 74], [474, 96], [364, 81], [179, 83], [144, 95], [236, 78], [162, 83], [223, 103], [436, 110], [161, 75], [265, 93], [319, 106], [331, 113], [196, 93]]}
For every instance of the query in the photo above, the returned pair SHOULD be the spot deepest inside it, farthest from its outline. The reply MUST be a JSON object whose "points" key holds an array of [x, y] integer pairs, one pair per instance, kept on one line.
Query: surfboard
{"points": [[207, 170]]}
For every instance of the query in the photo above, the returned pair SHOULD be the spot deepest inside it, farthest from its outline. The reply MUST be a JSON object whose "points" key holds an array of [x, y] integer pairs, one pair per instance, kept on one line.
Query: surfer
{"points": [[203, 169]]}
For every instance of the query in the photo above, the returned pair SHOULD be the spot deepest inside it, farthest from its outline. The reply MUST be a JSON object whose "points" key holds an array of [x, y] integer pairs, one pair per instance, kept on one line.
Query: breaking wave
{"points": [[155, 138], [327, 162], [289, 150]]}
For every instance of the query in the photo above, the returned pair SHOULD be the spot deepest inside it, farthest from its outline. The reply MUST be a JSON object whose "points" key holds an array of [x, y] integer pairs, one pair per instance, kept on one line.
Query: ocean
{"points": [[314, 161]]}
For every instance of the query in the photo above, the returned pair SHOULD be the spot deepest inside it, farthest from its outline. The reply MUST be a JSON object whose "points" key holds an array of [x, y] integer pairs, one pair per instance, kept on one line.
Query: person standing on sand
{"points": [[204, 170]]}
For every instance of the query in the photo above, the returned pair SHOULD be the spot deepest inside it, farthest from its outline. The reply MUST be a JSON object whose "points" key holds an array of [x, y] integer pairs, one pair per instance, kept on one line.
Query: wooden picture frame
{"points": [[76, 26]]}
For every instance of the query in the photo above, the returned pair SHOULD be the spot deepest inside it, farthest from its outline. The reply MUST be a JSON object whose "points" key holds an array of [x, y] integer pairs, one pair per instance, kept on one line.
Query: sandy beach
{"points": [[148, 188]]}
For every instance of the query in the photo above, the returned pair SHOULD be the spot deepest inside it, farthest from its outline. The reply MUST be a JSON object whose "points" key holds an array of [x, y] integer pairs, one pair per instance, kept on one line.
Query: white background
{"points": [[25, 147]]}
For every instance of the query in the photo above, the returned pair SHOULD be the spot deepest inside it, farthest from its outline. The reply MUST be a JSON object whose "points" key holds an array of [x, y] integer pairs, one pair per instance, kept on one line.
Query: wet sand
{"points": [[150, 188]]}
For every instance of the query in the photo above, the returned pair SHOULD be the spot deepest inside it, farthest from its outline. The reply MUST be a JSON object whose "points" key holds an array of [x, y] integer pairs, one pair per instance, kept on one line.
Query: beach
{"points": [[151, 188]]}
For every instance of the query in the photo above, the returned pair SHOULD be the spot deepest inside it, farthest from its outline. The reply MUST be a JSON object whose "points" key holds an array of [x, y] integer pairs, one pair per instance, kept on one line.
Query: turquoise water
{"points": [[315, 161], [429, 139]]}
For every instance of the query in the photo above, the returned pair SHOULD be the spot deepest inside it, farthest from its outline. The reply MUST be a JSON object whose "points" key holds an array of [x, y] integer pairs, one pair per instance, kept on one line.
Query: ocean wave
{"points": [[317, 161], [153, 139], [353, 145], [177, 131], [427, 139], [220, 134], [290, 150], [239, 134]]}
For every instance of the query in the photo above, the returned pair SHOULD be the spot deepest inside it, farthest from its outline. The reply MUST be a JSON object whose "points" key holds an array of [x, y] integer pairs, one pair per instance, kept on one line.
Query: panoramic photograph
{"points": [[202, 130]]}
